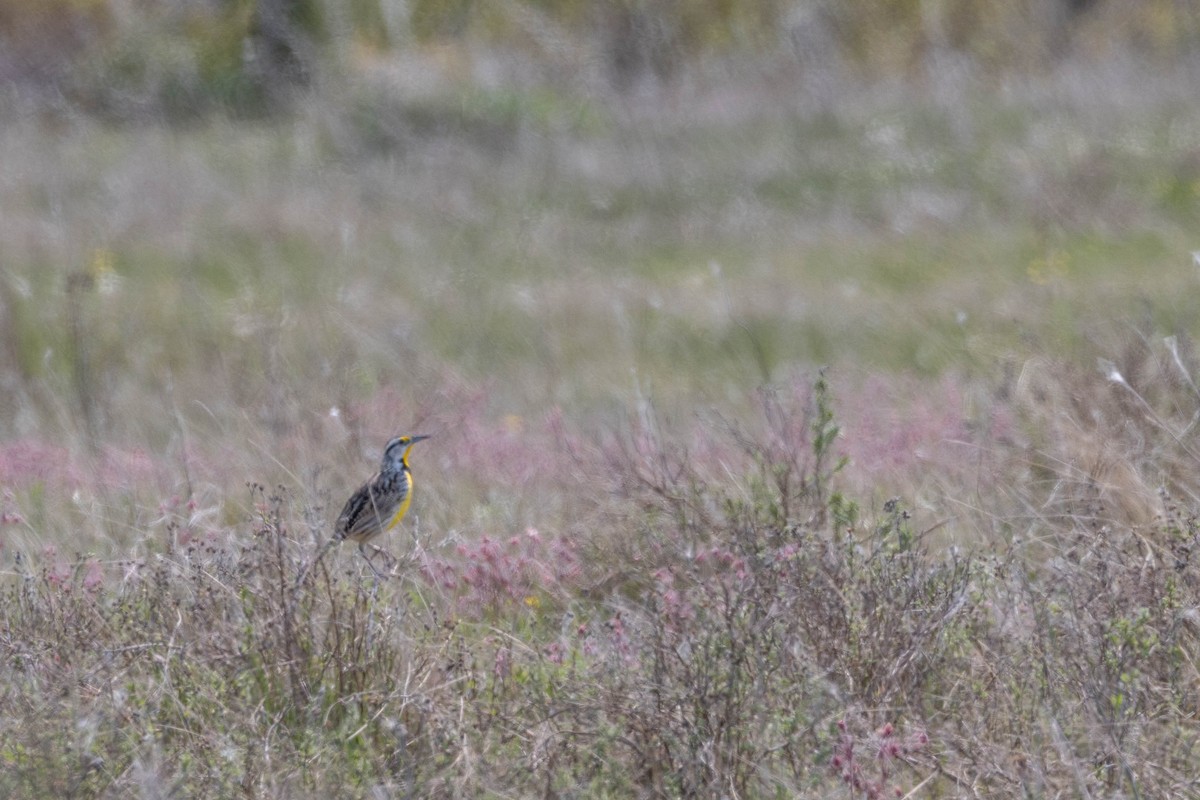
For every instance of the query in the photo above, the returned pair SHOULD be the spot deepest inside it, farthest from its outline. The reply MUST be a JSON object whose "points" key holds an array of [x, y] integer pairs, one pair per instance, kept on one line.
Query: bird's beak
{"points": [[416, 439]]}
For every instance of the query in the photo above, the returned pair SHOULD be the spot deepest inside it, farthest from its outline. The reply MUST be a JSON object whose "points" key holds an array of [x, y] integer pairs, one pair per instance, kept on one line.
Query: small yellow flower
{"points": [[102, 262], [1054, 267], [533, 602], [102, 270]]}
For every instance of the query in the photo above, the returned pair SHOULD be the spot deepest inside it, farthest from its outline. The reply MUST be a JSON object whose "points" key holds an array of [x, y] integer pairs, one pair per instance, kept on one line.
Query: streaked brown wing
{"points": [[369, 509]]}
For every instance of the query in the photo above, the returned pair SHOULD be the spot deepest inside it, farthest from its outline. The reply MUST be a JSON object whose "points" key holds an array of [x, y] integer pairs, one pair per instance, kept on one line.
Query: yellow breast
{"points": [[404, 504]]}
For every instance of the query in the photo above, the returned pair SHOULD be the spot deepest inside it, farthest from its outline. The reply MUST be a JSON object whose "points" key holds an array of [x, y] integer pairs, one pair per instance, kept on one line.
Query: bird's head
{"points": [[396, 452]]}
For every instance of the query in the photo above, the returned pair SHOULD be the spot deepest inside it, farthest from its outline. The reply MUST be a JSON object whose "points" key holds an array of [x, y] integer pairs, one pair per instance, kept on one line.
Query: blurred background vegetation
{"points": [[289, 206], [280, 207], [143, 57]]}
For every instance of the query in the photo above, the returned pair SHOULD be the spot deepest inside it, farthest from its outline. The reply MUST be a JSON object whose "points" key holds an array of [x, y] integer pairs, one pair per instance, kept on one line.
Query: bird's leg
{"points": [[391, 559], [370, 629], [363, 551]]}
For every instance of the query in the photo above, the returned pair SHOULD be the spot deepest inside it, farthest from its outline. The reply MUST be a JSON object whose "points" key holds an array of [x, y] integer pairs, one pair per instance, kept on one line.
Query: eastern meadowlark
{"points": [[380, 503]]}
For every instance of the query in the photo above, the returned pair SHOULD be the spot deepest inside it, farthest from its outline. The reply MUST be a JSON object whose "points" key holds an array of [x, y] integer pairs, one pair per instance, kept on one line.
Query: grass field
{"points": [[780, 449]]}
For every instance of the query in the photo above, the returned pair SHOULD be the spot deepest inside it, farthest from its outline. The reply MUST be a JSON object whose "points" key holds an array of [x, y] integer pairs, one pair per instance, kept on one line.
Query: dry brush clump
{"points": [[1060, 658], [1083, 525], [770, 609], [207, 672]]}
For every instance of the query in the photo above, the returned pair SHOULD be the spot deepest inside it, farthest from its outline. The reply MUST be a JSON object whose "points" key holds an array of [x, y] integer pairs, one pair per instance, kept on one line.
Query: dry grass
{"points": [[732, 624]]}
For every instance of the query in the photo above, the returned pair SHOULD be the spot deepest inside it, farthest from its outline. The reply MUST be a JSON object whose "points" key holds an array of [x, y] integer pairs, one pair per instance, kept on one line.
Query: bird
{"points": [[379, 504]]}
